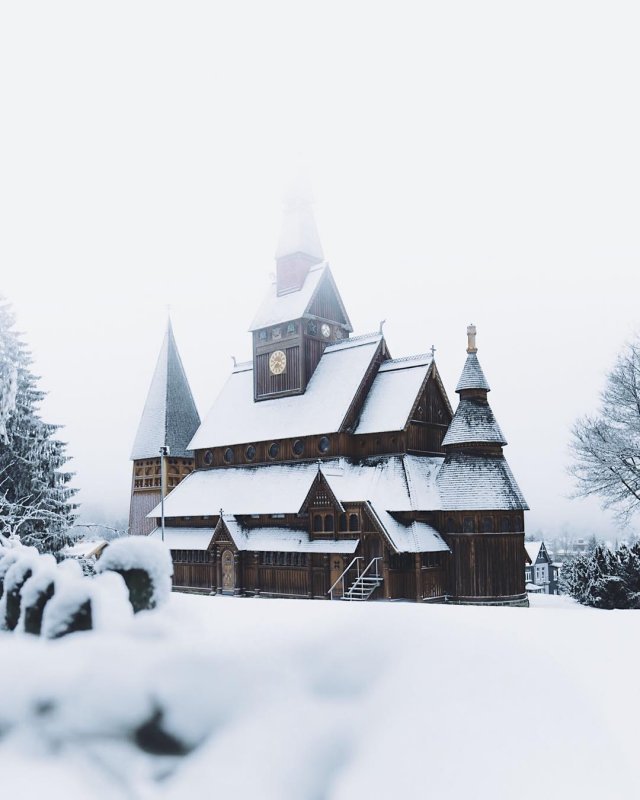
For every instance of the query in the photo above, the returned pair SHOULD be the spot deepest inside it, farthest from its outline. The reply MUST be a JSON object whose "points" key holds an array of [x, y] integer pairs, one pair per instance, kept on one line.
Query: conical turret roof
{"points": [[473, 422], [170, 417], [472, 375]]}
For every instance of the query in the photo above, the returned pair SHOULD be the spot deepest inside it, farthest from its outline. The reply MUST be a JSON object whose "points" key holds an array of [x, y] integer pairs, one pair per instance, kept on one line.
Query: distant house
{"points": [[541, 573]]}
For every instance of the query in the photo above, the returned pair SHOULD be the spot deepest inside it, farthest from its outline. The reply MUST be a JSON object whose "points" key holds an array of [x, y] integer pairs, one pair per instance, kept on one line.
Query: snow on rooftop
{"points": [[284, 540], [467, 482], [533, 550], [472, 375], [170, 416], [412, 537], [184, 538], [276, 309], [393, 394], [236, 418], [473, 422], [397, 483]]}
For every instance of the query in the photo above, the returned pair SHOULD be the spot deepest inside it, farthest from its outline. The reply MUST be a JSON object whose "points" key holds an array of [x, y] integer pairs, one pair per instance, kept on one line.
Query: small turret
{"points": [[473, 424]]}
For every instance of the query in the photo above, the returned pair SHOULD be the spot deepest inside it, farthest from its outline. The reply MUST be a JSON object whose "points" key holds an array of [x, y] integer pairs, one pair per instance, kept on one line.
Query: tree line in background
{"points": [[36, 501], [604, 578], [606, 450]]}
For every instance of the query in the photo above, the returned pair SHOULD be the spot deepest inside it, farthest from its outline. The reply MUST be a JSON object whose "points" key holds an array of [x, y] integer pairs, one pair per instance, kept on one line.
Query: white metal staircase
{"points": [[365, 583]]}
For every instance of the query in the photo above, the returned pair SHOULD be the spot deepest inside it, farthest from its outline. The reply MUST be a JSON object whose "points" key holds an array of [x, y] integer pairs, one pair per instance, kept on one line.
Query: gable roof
{"points": [[276, 309], [236, 418], [473, 422], [533, 550], [393, 394], [170, 416]]}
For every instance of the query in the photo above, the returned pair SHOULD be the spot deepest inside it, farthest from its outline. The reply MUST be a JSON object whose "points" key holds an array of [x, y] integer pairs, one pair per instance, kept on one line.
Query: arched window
{"points": [[468, 525], [487, 524], [317, 523], [343, 522], [505, 527], [451, 525], [328, 523], [354, 522]]}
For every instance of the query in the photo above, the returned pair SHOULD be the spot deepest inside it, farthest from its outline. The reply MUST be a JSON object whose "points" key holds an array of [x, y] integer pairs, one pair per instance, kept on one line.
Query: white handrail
{"points": [[341, 578], [359, 581]]}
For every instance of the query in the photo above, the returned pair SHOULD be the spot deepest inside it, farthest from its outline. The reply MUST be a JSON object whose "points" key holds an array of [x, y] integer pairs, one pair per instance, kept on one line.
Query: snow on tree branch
{"points": [[606, 448]]}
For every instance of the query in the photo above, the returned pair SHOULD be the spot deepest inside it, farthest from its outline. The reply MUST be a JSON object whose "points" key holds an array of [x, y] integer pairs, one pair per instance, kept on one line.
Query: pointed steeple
{"points": [[473, 423], [299, 245], [170, 416]]}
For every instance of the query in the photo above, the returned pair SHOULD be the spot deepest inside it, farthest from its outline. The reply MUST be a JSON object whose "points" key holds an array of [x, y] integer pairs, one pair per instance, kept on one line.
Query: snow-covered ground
{"points": [[302, 700]]}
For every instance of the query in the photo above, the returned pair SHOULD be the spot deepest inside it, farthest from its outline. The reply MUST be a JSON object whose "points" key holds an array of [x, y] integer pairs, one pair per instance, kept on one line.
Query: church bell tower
{"points": [[302, 313]]}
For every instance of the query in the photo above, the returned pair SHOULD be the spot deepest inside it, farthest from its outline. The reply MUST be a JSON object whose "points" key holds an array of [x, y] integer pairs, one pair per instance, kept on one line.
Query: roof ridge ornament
{"points": [[471, 339]]}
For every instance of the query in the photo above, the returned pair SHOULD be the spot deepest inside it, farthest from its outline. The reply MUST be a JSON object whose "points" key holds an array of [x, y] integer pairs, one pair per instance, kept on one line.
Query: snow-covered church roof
{"points": [[236, 418], [391, 484], [170, 416], [473, 422], [393, 394], [472, 375]]}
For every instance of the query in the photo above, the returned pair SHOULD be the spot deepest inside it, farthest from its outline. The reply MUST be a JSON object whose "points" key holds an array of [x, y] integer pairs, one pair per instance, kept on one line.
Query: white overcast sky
{"points": [[471, 162]]}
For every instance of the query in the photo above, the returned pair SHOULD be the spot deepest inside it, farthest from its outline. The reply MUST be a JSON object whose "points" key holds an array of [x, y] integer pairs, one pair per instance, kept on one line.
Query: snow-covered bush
{"points": [[605, 578], [36, 593], [24, 567], [83, 604], [146, 566]]}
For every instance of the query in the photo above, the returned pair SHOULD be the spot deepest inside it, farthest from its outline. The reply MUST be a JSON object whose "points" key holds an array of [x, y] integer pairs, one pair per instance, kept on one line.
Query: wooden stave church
{"points": [[327, 469]]}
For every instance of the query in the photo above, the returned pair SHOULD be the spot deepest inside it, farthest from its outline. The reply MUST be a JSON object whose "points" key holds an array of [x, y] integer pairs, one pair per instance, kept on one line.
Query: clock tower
{"points": [[302, 312]]}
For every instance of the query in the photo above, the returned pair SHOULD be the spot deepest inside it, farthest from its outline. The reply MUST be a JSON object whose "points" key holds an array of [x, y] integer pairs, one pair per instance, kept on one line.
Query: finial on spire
{"points": [[471, 339], [433, 351], [381, 325]]}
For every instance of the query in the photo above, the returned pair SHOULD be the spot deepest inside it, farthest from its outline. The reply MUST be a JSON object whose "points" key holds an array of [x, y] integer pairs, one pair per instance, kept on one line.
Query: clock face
{"points": [[325, 330], [277, 362]]}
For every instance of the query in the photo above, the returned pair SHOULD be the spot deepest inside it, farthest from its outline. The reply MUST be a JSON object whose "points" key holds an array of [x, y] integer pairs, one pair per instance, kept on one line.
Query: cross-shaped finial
{"points": [[433, 351]]}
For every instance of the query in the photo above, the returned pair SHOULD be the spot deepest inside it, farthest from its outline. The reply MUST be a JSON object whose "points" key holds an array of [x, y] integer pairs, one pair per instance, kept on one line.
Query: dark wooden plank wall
{"points": [[487, 565], [325, 304]]}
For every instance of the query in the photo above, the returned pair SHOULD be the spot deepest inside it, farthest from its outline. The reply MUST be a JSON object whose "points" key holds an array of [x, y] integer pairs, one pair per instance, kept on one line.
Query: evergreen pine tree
{"points": [[35, 498]]}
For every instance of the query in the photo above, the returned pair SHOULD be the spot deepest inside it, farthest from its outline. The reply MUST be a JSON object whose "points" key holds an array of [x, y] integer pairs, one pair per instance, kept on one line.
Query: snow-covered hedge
{"points": [[146, 566], [605, 578], [38, 596]]}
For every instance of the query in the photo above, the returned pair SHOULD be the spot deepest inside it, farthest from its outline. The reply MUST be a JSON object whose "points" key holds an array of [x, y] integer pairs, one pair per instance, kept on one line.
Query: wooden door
{"points": [[228, 571], [337, 566]]}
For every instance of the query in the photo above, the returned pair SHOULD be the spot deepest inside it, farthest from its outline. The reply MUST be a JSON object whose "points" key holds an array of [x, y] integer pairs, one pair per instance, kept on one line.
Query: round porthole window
{"points": [[298, 447], [208, 458], [323, 444], [250, 452], [228, 456], [274, 449]]}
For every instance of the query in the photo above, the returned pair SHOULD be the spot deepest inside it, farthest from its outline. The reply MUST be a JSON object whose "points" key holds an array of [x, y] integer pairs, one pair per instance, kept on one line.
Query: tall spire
{"points": [[170, 417], [299, 245]]}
